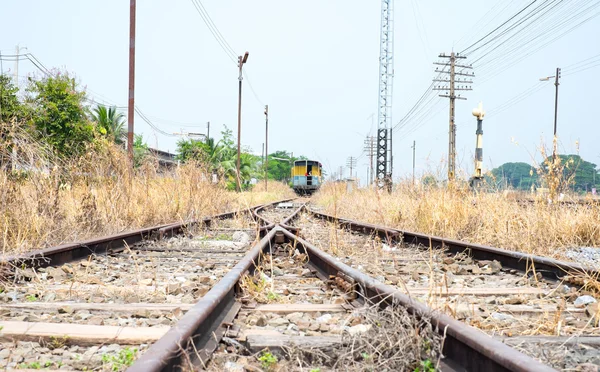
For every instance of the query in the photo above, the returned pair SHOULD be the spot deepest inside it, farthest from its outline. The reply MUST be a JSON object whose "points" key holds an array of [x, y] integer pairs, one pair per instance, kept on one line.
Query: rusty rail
{"points": [[465, 347], [547, 267], [74, 251], [190, 343]]}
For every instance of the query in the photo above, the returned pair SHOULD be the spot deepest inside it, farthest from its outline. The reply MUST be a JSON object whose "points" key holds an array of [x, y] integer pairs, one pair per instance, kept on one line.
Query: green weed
{"points": [[120, 361], [272, 296], [268, 360], [426, 366]]}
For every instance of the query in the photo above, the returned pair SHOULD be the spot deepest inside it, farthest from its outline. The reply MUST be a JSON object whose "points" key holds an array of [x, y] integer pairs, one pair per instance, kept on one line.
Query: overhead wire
{"points": [[218, 36], [545, 27], [489, 17], [542, 30], [215, 31], [494, 30]]}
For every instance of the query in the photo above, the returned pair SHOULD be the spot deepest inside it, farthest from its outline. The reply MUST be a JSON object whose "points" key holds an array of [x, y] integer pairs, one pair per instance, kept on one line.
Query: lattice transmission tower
{"points": [[386, 82]]}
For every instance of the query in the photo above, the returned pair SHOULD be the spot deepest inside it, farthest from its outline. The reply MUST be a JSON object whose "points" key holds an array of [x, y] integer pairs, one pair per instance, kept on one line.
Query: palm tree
{"points": [[110, 123]]}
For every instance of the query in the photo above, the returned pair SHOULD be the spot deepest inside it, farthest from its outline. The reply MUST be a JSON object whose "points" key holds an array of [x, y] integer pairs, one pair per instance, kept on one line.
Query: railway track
{"points": [[199, 292], [525, 307]]}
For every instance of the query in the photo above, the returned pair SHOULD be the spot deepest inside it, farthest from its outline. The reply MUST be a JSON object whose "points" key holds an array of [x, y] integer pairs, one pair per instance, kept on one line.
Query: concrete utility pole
{"points": [[17, 50], [131, 101], [208, 130], [414, 146], [266, 145], [351, 163], [450, 93], [241, 61], [341, 173]]}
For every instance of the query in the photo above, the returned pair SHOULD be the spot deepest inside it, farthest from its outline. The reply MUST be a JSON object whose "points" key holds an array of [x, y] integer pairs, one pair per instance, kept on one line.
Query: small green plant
{"points": [[365, 356], [120, 361], [272, 296], [315, 370], [426, 366], [268, 360], [32, 365], [31, 298]]}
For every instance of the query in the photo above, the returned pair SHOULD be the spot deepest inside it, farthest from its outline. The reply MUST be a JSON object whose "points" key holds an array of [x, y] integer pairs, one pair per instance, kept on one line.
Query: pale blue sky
{"points": [[315, 63]]}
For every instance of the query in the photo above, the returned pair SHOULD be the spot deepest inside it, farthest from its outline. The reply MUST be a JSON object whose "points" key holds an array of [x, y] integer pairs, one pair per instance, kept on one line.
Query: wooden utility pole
{"points": [[450, 89], [266, 145], [131, 101], [351, 163], [370, 149]]}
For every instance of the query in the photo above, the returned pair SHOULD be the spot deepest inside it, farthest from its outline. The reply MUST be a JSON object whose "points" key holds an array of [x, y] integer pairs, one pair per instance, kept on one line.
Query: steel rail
{"points": [[190, 343], [547, 267], [74, 251], [268, 225], [465, 348]]}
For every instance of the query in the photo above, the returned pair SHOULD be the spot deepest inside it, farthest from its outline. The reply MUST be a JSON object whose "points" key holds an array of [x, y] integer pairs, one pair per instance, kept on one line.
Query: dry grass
{"points": [[394, 341], [60, 201], [494, 219]]}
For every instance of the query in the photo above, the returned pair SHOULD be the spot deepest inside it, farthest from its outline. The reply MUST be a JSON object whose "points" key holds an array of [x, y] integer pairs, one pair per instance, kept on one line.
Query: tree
{"points": [[58, 115], [10, 106], [517, 175], [192, 150], [280, 169], [110, 123], [577, 173], [140, 150], [11, 109]]}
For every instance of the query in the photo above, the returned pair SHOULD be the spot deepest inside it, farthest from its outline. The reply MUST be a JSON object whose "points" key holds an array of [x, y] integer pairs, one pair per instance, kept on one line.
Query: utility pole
{"points": [[266, 145], [351, 163], [450, 93], [370, 149], [241, 61], [17, 50], [341, 173], [386, 82], [414, 146], [131, 102], [208, 130], [556, 83]]}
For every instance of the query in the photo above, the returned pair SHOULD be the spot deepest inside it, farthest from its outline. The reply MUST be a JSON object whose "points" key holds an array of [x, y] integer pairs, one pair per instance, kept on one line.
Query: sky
{"points": [[316, 63]]}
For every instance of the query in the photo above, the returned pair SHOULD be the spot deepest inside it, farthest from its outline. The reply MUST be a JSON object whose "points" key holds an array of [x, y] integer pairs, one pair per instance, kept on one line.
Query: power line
{"points": [[215, 31], [145, 119], [520, 22], [252, 88], [494, 30]]}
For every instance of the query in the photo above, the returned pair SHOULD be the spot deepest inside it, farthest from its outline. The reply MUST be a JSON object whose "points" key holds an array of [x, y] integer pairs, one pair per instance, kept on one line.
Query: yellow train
{"points": [[307, 176]]}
